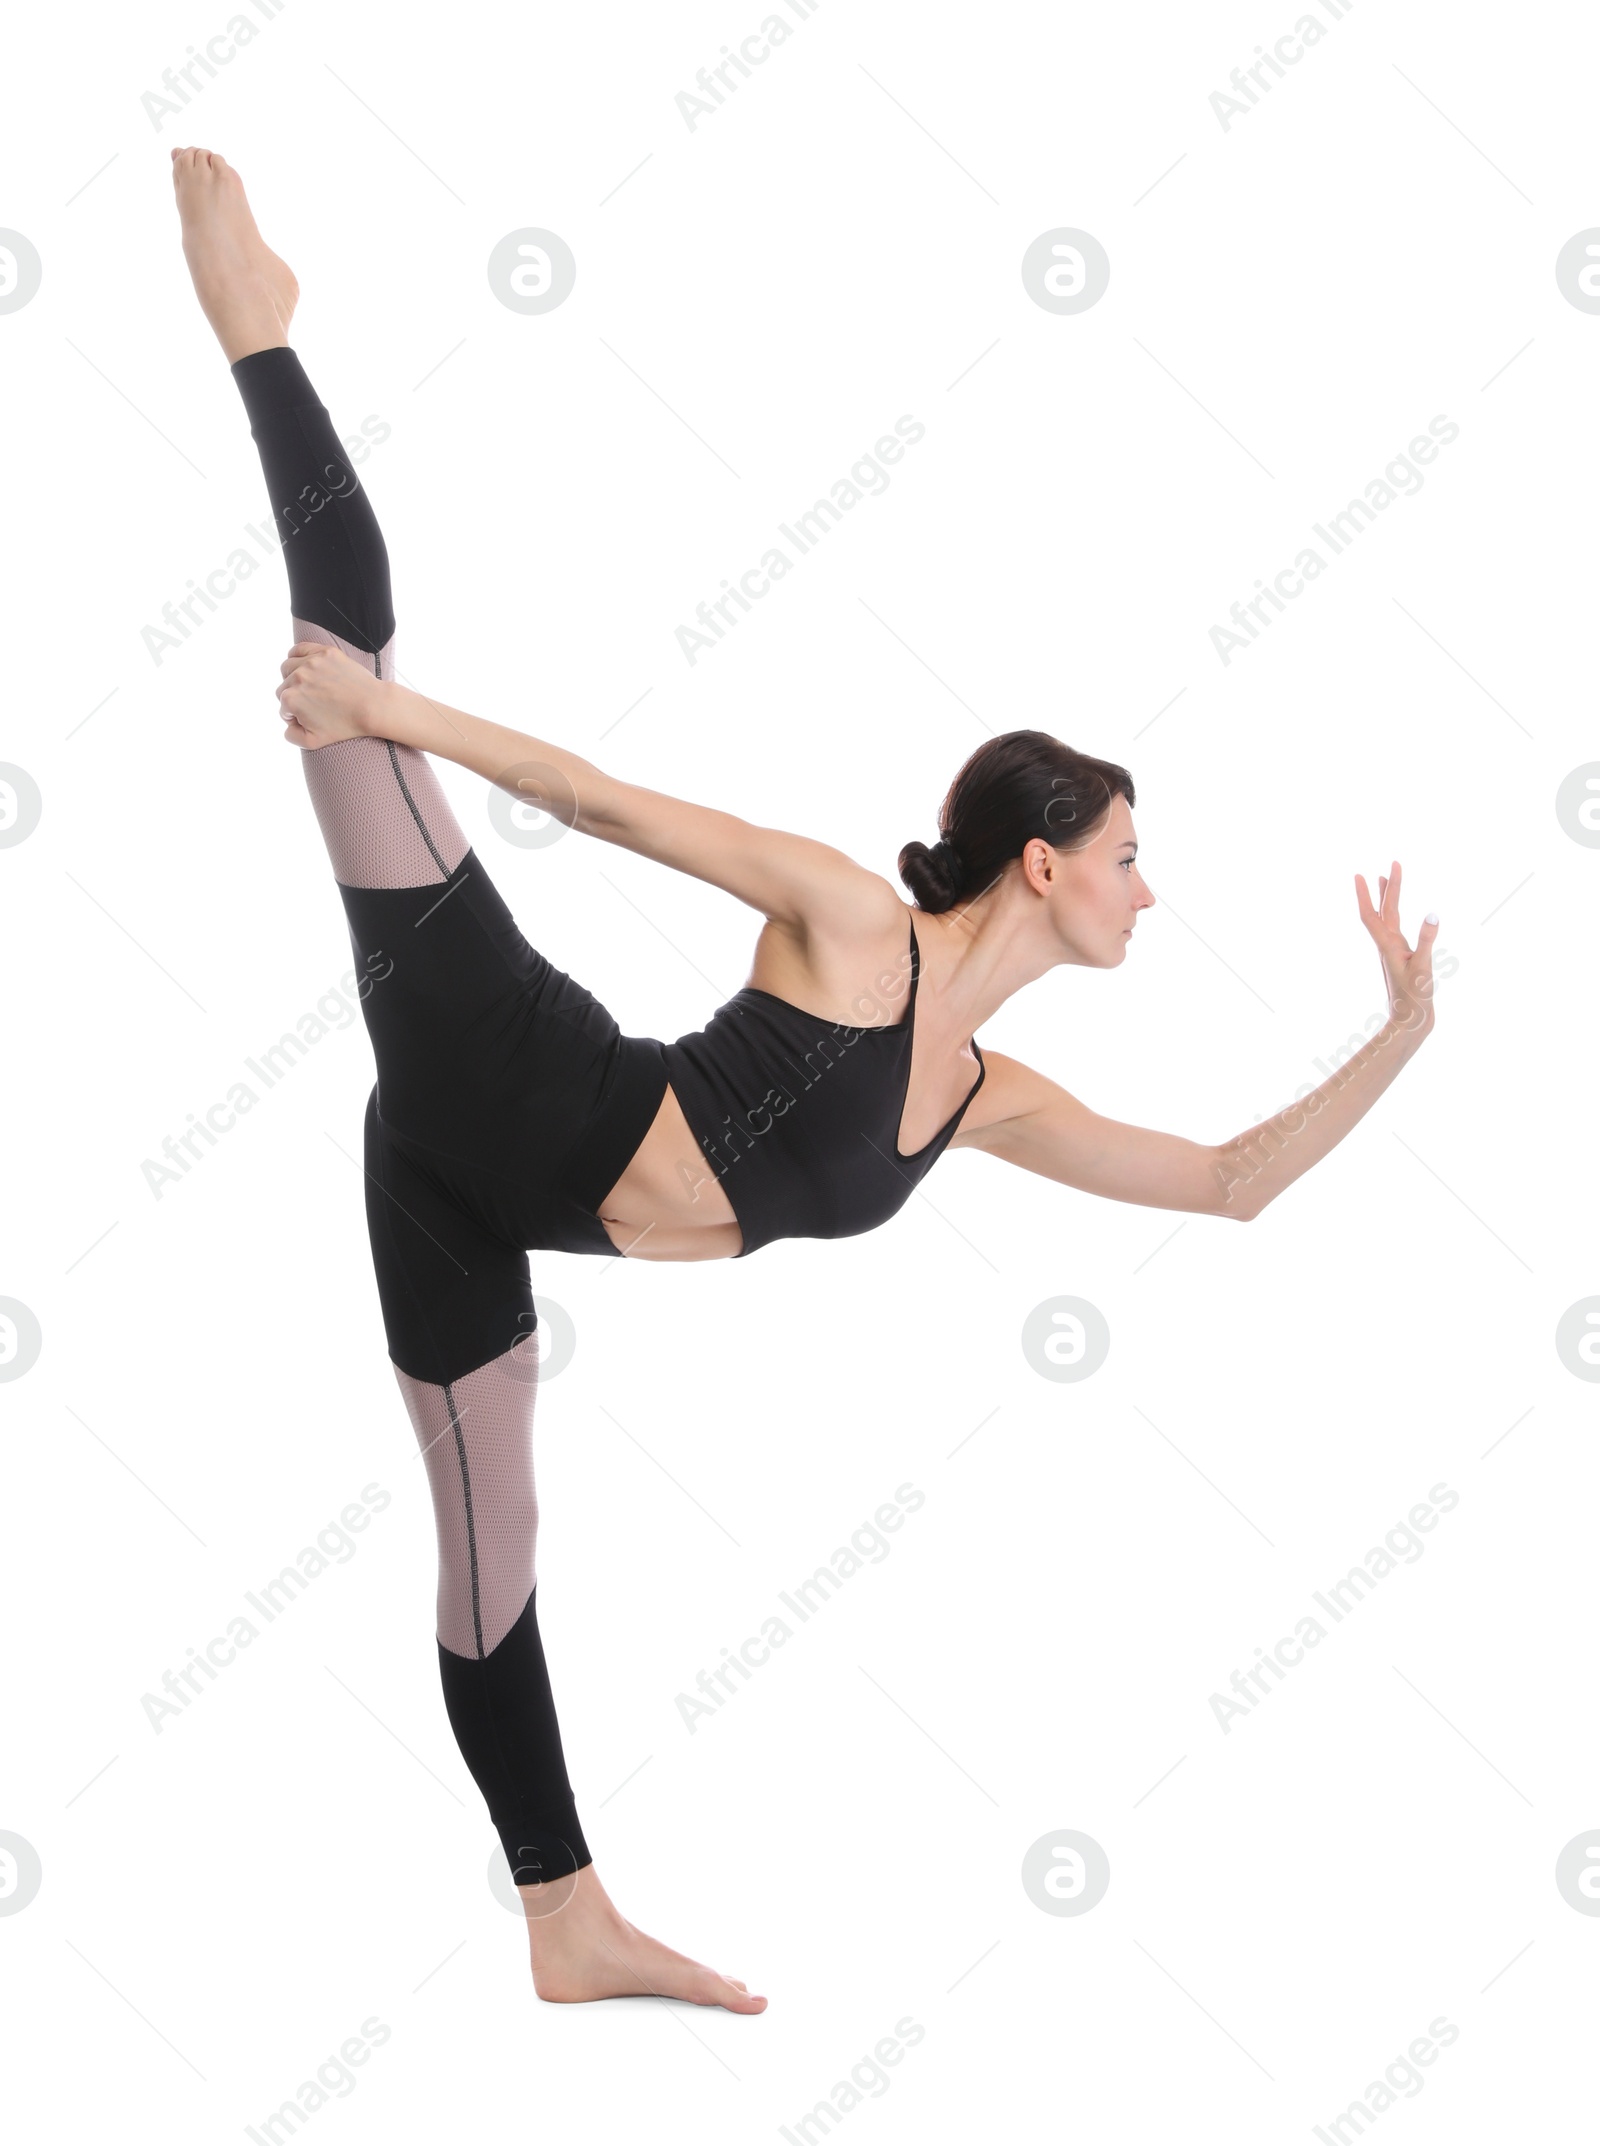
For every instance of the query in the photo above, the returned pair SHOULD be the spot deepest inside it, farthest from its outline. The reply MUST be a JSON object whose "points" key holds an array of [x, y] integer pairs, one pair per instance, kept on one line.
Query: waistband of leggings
{"points": [[624, 1114]]}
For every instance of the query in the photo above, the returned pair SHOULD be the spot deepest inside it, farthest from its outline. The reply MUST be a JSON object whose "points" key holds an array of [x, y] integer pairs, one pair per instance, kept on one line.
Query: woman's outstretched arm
{"points": [[1024, 1118], [787, 877]]}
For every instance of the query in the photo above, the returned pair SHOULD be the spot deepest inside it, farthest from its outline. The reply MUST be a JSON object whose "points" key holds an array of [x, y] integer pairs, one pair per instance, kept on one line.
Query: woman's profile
{"points": [[510, 1113]]}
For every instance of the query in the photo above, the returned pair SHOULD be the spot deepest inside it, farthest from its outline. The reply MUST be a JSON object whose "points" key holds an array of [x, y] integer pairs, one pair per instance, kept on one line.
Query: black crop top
{"points": [[799, 1116]]}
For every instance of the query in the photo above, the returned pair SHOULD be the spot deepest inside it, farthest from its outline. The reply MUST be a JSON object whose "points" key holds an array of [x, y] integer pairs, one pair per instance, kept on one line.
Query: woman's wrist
{"points": [[381, 711], [407, 717], [1410, 1023]]}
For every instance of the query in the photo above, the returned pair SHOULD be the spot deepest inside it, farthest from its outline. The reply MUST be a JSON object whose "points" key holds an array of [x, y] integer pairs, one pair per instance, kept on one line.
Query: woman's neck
{"points": [[983, 951]]}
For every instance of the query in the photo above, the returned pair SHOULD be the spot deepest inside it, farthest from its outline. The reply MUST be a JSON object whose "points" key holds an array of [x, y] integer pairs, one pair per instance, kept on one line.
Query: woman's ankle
{"points": [[555, 1909]]}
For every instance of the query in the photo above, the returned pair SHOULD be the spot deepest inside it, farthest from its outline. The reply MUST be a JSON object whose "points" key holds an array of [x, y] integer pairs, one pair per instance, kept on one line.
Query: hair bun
{"points": [[934, 876]]}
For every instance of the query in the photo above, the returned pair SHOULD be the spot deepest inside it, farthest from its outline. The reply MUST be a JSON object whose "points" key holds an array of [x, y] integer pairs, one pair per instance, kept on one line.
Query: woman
{"points": [[511, 1114]]}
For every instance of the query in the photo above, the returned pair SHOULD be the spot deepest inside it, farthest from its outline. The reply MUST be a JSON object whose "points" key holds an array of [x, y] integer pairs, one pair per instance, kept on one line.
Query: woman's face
{"points": [[1096, 892]]}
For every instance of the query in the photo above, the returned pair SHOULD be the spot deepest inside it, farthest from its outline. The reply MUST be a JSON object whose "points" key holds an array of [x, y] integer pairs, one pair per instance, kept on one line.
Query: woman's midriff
{"points": [[667, 1204]]}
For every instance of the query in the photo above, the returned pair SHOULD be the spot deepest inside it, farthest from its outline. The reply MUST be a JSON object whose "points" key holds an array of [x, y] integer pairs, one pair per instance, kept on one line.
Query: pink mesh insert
{"points": [[476, 1436], [383, 815]]}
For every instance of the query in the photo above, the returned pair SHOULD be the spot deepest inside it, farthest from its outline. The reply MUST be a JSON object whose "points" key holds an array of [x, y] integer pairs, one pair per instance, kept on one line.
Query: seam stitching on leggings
{"points": [[422, 825], [472, 1533]]}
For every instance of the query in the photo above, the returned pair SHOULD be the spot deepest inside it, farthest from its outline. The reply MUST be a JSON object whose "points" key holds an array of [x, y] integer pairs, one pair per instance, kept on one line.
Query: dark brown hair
{"points": [[1013, 788]]}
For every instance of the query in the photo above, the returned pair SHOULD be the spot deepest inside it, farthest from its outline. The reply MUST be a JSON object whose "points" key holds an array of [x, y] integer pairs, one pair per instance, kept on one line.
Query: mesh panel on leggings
{"points": [[476, 1436], [383, 814]]}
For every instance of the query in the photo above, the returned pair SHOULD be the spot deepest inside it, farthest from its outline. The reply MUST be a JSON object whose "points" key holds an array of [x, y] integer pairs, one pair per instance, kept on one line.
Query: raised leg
{"points": [[456, 1297], [448, 985]]}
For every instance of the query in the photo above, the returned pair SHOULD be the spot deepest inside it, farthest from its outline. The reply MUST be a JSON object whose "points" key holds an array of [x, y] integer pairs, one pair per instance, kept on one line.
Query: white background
{"points": [[1373, 1848]]}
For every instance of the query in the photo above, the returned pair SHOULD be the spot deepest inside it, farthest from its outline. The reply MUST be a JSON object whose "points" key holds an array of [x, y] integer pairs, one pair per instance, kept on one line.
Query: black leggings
{"points": [[507, 1104]]}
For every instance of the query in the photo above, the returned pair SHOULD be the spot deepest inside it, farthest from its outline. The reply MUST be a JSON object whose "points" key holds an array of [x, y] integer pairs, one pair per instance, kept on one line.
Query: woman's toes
{"points": [[717, 1993]]}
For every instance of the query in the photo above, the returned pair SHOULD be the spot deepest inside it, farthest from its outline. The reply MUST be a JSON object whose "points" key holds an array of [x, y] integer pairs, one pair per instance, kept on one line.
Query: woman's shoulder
{"points": [[847, 960]]}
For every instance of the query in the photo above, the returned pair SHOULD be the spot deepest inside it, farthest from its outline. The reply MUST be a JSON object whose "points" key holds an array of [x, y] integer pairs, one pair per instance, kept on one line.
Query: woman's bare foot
{"points": [[582, 1949], [245, 291]]}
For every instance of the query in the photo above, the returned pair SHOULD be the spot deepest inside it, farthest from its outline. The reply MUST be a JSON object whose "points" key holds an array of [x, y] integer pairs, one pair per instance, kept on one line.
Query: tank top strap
{"points": [[916, 970]]}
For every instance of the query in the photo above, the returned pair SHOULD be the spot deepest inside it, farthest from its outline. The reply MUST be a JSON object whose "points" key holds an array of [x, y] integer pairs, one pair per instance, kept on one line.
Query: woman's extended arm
{"points": [[789, 878], [1048, 1131], [1029, 1120]]}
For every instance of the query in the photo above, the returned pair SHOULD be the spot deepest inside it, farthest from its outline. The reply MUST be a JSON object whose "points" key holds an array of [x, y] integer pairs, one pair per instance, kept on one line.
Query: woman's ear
{"points": [[1039, 864]]}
